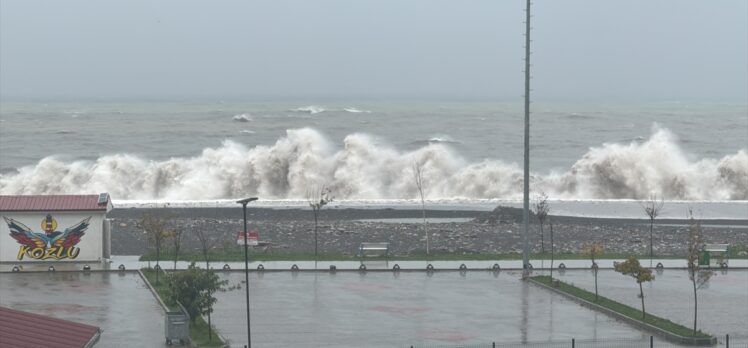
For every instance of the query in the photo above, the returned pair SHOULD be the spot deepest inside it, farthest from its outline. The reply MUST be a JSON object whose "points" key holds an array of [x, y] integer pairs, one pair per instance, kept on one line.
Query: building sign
{"points": [[51, 243], [253, 238]]}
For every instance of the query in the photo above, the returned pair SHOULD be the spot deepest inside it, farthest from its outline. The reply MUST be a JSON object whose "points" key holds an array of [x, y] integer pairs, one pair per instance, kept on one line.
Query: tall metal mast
{"points": [[526, 198]]}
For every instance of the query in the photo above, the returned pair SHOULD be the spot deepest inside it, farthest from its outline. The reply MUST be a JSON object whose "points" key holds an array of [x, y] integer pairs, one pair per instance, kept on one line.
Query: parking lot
{"points": [[723, 303], [119, 303], [386, 309]]}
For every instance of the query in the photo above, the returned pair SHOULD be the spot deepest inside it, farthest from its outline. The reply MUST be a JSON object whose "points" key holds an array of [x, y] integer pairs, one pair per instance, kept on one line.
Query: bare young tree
{"points": [[176, 238], [593, 250], [418, 177], [634, 269], [318, 198], [541, 212], [155, 227], [698, 277], [652, 208], [206, 243], [550, 224]]}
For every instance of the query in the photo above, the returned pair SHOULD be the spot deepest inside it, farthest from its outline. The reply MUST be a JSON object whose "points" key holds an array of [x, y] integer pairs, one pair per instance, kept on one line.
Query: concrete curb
{"points": [[218, 333], [166, 309], [153, 291], [668, 336], [158, 298]]}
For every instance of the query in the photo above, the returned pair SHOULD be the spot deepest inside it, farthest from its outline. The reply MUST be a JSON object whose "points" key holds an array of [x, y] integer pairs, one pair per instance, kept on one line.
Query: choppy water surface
{"points": [[366, 150]]}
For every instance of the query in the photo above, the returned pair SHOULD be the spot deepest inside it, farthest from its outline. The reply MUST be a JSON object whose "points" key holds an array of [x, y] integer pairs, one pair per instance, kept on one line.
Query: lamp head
{"points": [[246, 200]]}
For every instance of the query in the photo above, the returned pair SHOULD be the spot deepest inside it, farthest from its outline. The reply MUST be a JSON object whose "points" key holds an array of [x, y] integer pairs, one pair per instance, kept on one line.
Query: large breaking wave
{"points": [[366, 169]]}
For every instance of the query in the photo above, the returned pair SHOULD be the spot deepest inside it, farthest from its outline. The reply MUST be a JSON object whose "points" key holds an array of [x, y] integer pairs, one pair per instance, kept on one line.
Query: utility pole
{"points": [[526, 198]]}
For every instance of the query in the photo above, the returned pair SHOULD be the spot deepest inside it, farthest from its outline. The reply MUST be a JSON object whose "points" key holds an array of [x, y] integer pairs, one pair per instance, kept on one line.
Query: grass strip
{"points": [[623, 309], [238, 255], [198, 328]]}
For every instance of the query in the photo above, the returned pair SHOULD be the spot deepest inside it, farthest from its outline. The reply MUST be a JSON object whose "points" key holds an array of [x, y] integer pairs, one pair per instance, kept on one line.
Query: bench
{"points": [[373, 249]]}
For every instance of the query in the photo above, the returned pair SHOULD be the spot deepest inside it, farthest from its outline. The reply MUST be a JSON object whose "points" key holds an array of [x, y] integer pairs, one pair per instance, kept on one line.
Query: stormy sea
{"points": [[207, 153]]}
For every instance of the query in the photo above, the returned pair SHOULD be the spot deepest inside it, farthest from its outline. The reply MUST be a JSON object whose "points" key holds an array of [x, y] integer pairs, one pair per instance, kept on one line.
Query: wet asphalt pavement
{"points": [[723, 303], [119, 303], [385, 309]]}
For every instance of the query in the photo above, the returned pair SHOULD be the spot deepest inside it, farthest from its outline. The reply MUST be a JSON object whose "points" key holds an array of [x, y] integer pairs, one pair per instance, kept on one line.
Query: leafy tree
{"points": [[155, 226], [652, 208], [418, 177], [541, 212], [698, 277], [318, 198], [593, 250], [632, 268], [194, 288]]}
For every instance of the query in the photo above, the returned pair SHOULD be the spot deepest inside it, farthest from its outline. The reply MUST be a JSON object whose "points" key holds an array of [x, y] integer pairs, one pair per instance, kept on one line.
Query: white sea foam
{"points": [[364, 169], [442, 138], [312, 109], [356, 111], [242, 118], [436, 139]]}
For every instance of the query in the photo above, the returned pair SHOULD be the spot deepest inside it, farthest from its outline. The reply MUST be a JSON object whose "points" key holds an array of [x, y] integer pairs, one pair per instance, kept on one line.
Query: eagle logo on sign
{"points": [[50, 244]]}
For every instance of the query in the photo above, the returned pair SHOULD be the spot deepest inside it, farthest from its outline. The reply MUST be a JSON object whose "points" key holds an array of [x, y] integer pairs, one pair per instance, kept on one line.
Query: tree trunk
{"points": [[207, 269], [595, 284], [210, 329], [315, 233], [641, 294], [425, 229], [695, 303], [158, 257], [542, 242], [651, 250], [551, 226], [176, 250]]}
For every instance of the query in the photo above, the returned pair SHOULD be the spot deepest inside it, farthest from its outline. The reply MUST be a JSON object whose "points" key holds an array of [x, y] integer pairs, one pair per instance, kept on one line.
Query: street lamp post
{"points": [[244, 202], [526, 196]]}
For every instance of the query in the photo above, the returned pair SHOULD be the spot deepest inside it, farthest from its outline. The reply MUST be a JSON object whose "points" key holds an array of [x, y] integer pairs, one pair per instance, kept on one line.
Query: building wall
{"points": [[89, 247]]}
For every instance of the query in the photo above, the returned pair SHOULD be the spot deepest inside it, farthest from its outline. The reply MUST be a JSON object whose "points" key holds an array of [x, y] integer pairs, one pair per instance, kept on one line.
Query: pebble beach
{"points": [[340, 231]]}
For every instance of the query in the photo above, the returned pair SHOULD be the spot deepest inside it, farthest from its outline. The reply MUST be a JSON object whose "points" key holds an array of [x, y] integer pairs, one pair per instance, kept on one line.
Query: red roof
{"points": [[22, 329], [53, 203]]}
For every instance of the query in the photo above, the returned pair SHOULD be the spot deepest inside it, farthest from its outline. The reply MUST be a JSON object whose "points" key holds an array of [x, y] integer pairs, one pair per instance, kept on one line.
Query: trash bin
{"points": [[177, 327]]}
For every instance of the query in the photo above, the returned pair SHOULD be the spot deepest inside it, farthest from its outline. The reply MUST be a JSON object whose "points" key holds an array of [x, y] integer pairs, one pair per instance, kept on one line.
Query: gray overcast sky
{"points": [[583, 49]]}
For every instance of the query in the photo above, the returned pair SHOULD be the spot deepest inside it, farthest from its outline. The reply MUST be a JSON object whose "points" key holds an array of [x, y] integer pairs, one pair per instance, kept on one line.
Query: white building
{"points": [[54, 229]]}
